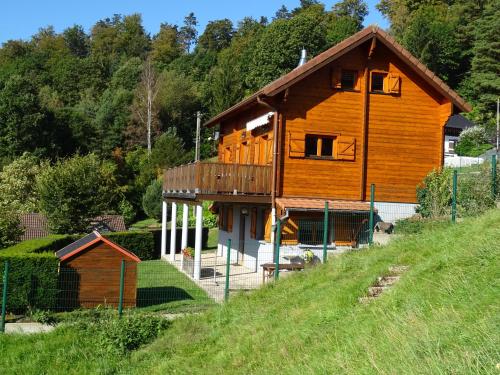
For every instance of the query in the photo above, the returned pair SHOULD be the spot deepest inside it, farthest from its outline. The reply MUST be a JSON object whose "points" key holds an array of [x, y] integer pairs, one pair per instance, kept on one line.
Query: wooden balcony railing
{"points": [[218, 178]]}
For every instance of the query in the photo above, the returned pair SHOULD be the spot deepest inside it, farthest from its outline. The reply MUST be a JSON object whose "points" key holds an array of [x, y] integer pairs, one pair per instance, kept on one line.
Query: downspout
{"points": [[275, 161]]}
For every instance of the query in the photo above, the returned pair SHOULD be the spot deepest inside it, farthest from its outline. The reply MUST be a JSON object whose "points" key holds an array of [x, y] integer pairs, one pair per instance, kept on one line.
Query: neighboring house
{"points": [[454, 126], [35, 225], [363, 112]]}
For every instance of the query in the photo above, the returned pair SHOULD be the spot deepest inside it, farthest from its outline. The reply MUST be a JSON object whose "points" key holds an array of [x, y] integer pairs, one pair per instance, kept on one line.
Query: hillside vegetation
{"points": [[441, 317]]}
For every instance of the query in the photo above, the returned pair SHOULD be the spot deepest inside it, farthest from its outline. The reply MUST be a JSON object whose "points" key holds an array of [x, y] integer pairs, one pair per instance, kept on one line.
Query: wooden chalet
{"points": [[363, 112]]}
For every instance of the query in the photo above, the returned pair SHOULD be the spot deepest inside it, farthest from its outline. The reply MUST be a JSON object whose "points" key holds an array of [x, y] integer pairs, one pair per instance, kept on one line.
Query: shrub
{"points": [[473, 142], [473, 192], [75, 190], [416, 224], [130, 332], [10, 228], [434, 194], [151, 200], [140, 243], [33, 273]]}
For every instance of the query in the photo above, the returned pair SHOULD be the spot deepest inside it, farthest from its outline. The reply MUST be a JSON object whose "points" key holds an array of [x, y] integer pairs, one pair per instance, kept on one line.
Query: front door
{"points": [[241, 244]]}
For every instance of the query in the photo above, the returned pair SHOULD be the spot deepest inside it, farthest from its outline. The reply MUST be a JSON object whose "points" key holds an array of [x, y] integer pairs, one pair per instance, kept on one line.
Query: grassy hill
{"points": [[441, 317]]}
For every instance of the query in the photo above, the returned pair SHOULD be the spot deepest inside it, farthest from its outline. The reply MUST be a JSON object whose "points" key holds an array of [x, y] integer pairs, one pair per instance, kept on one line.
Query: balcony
{"points": [[206, 180]]}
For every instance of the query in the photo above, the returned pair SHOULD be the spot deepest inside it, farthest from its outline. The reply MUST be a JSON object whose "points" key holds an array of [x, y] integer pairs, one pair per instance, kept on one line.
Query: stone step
{"points": [[387, 280], [375, 291], [398, 269]]}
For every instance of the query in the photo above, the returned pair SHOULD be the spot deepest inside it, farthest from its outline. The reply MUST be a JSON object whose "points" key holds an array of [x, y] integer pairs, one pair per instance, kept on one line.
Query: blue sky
{"points": [[20, 19]]}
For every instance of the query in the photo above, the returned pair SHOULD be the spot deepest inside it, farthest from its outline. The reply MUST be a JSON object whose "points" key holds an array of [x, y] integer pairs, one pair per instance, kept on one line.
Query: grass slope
{"points": [[442, 316]]}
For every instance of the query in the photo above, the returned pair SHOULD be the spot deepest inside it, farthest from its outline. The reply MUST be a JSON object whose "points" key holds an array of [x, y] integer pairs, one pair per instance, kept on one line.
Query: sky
{"points": [[20, 19]]}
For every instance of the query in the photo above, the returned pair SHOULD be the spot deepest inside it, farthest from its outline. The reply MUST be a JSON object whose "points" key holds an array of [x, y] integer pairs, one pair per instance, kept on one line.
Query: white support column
{"points": [[184, 237], [173, 231], [197, 243], [185, 214], [164, 229]]}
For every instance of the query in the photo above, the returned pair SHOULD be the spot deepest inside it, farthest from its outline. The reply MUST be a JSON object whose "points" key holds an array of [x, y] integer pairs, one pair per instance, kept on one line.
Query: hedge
{"points": [[33, 273], [141, 243]]}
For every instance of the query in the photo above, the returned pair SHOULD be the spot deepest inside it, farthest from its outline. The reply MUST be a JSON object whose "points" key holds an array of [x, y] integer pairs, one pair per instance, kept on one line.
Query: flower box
{"points": [[188, 261]]}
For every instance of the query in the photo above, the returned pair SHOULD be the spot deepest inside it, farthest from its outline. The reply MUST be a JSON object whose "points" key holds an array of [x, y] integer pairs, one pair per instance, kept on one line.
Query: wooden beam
{"points": [[372, 47]]}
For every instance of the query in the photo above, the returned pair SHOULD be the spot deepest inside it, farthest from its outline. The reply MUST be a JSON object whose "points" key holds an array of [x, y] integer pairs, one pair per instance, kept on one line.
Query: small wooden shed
{"points": [[89, 273]]}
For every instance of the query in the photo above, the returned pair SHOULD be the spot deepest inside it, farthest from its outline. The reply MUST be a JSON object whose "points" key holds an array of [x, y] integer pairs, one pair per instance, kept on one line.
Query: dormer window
{"points": [[377, 84], [348, 80]]}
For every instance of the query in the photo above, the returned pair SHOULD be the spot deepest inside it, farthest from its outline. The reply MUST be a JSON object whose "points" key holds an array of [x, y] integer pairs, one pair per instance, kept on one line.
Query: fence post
{"points": [[122, 284], [372, 209], [4, 294], [278, 240], [454, 197], [325, 232], [228, 268], [494, 176]]}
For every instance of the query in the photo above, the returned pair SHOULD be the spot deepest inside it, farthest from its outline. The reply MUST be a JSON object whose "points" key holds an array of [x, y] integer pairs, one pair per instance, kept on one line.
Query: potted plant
{"points": [[308, 257], [188, 260]]}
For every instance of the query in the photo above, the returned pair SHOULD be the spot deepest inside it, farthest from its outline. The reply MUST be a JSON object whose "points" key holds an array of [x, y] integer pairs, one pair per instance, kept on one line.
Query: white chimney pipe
{"points": [[303, 57]]}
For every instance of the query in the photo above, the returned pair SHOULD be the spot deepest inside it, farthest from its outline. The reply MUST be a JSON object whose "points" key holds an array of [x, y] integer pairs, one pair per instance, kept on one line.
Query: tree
{"points": [[151, 200], [356, 10], [77, 41], [25, 124], [217, 35], [145, 107], [166, 45], [168, 151], [18, 184], [430, 37], [188, 32], [282, 13], [74, 190], [483, 85], [10, 227]]}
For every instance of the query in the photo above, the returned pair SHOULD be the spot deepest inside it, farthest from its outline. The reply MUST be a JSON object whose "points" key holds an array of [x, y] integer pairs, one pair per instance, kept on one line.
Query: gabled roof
{"points": [[459, 122], [334, 53], [90, 239]]}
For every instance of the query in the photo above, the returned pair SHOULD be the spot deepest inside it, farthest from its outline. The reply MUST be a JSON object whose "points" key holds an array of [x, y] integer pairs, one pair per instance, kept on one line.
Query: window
{"points": [[348, 80], [319, 146], [378, 82]]}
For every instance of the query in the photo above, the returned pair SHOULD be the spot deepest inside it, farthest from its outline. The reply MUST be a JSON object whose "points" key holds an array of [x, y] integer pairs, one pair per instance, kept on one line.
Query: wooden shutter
{"points": [[336, 77], [345, 148], [221, 218], [296, 145], [269, 151], [268, 226], [229, 218], [393, 83], [253, 223]]}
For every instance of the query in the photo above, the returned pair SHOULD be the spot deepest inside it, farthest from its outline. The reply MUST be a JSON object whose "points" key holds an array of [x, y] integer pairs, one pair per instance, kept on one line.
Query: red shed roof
{"points": [[334, 53], [90, 239]]}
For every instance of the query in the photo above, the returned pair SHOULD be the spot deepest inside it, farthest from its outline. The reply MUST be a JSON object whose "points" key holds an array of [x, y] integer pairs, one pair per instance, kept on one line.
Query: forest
{"points": [[74, 110]]}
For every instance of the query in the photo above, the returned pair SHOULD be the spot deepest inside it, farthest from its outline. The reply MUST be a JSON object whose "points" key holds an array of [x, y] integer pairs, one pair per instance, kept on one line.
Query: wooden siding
{"points": [[404, 132], [92, 278]]}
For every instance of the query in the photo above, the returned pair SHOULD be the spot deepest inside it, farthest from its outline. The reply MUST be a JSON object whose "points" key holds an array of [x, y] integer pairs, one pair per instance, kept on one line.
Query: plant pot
{"points": [[188, 265]]}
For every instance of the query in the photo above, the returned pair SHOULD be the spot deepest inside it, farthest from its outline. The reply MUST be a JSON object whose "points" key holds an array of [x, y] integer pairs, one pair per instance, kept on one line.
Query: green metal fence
{"points": [[302, 240]]}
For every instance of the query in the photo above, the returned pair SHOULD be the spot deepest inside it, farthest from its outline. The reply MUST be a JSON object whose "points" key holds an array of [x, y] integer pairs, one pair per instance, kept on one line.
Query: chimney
{"points": [[303, 57]]}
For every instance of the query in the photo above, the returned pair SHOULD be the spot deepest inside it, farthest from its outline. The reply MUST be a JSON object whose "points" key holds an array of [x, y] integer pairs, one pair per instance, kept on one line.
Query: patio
{"points": [[213, 276]]}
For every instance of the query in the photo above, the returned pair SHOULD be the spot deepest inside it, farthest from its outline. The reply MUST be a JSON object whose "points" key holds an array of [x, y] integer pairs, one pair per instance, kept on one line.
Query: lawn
{"points": [[161, 287], [440, 318]]}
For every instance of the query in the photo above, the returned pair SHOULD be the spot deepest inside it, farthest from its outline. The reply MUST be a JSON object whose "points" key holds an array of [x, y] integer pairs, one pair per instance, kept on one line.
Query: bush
{"points": [[416, 225], [152, 200], [10, 228], [130, 332], [33, 273], [75, 190], [140, 243], [473, 142], [474, 192], [434, 194]]}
